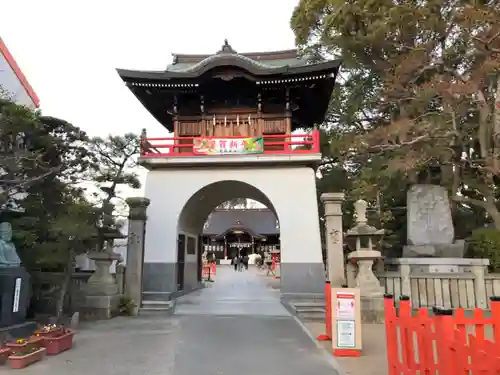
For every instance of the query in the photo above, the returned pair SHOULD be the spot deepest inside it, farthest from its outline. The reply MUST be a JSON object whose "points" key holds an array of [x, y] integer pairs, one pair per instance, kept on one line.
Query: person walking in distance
{"points": [[235, 263], [245, 261], [240, 263]]}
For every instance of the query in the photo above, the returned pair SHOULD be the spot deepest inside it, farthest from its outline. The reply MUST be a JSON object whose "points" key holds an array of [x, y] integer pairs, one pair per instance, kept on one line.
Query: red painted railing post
{"points": [[328, 309], [328, 314], [495, 316], [406, 332], [445, 333], [316, 142], [391, 336]]}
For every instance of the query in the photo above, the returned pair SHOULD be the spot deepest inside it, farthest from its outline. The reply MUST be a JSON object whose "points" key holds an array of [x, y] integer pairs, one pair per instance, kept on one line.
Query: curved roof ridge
{"points": [[222, 56], [263, 55]]}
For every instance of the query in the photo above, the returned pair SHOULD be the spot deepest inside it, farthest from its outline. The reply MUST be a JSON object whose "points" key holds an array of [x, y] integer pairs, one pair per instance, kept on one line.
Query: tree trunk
{"points": [[65, 286], [493, 212]]}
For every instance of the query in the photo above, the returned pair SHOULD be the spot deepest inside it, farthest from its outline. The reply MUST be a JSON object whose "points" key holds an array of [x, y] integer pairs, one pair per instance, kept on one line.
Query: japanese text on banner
{"points": [[221, 146]]}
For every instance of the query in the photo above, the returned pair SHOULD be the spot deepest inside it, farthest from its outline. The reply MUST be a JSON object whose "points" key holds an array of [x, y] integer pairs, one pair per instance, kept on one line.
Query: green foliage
{"points": [[114, 163], [485, 243], [43, 161], [417, 89], [126, 306]]}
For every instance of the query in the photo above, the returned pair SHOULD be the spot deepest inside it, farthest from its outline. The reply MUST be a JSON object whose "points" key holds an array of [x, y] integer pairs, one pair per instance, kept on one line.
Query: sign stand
{"points": [[346, 322]]}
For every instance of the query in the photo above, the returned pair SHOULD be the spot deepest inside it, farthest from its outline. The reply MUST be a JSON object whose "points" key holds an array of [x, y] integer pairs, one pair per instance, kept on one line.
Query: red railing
{"points": [[445, 343], [277, 144]]}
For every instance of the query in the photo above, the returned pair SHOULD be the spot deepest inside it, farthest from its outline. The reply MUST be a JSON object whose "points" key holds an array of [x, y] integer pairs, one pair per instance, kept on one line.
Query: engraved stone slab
{"points": [[429, 216], [444, 269]]}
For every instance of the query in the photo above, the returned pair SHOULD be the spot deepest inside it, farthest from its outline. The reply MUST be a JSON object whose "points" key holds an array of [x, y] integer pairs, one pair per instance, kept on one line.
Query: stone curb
{"points": [[329, 358]]}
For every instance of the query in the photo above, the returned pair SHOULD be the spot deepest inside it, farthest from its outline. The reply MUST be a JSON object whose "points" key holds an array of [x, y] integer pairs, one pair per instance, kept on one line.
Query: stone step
{"points": [[303, 297], [308, 309], [307, 305], [311, 315], [157, 307]]}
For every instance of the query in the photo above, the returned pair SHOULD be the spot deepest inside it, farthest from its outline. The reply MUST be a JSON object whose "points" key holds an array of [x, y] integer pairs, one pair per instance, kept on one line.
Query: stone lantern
{"points": [[101, 291], [360, 266]]}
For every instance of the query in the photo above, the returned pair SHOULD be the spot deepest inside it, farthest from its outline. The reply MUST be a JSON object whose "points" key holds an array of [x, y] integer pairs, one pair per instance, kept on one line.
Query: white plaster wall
{"points": [[10, 83], [292, 192]]}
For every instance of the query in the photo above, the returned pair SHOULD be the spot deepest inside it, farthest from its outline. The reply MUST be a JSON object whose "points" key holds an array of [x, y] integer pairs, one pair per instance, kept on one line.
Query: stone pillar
{"points": [[334, 238], [404, 271], [135, 249], [120, 276], [480, 285]]}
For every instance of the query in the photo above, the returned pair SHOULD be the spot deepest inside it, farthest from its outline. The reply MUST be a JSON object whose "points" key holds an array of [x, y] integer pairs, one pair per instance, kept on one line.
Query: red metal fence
{"points": [[446, 342], [275, 144]]}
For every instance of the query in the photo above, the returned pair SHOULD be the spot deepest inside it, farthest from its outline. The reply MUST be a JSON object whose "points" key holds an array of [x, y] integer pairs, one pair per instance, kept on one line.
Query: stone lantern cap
{"points": [[104, 255], [362, 229]]}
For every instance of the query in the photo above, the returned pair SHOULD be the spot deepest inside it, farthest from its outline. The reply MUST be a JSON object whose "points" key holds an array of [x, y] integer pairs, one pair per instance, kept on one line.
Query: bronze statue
{"points": [[8, 253]]}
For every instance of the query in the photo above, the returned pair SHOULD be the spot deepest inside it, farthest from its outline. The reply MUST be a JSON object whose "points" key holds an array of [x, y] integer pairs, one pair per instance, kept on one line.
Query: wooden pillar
{"points": [[225, 247], [204, 124], [288, 118], [177, 130], [260, 121]]}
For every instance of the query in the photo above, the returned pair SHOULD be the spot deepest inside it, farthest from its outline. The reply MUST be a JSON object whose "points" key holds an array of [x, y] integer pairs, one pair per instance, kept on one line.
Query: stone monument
{"points": [[15, 288], [430, 230], [360, 266]]}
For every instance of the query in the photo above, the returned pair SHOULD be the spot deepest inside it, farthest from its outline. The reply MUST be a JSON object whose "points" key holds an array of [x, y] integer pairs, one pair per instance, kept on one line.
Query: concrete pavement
{"points": [[236, 325]]}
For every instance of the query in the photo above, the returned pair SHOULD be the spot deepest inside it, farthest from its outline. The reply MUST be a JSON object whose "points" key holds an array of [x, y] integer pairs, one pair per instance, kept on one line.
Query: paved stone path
{"points": [[235, 326]]}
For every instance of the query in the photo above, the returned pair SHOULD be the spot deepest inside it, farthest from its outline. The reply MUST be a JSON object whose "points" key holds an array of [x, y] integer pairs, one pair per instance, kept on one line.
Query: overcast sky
{"points": [[69, 50]]}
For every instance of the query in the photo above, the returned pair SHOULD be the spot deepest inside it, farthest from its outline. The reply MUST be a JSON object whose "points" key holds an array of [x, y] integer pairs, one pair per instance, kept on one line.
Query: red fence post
{"points": [[406, 333], [328, 314], [391, 336], [445, 333], [495, 316]]}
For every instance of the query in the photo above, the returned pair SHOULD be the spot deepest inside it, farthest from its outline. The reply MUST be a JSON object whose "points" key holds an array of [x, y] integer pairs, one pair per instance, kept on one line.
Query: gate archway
{"points": [[196, 210], [181, 201]]}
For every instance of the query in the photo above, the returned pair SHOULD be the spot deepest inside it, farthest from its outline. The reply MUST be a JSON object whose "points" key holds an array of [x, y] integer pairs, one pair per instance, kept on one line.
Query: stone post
{"points": [[480, 285], [135, 249], [120, 274], [334, 238], [404, 271]]}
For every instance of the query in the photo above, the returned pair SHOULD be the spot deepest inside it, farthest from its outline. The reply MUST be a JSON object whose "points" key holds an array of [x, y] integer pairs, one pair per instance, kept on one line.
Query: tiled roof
{"points": [[261, 221]]}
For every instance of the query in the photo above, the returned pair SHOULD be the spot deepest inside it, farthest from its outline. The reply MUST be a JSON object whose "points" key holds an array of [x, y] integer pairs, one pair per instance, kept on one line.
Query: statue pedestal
{"points": [[15, 294], [101, 291], [371, 293]]}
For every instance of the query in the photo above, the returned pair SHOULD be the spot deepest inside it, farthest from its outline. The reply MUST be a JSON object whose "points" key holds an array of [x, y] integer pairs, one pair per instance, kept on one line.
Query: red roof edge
{"points": [[20, 76]]}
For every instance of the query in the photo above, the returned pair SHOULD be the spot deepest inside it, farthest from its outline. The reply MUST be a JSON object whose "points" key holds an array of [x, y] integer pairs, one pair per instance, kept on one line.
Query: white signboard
{"points": [[346, 306], [17, 295], [346, 334], [346, 322]]}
